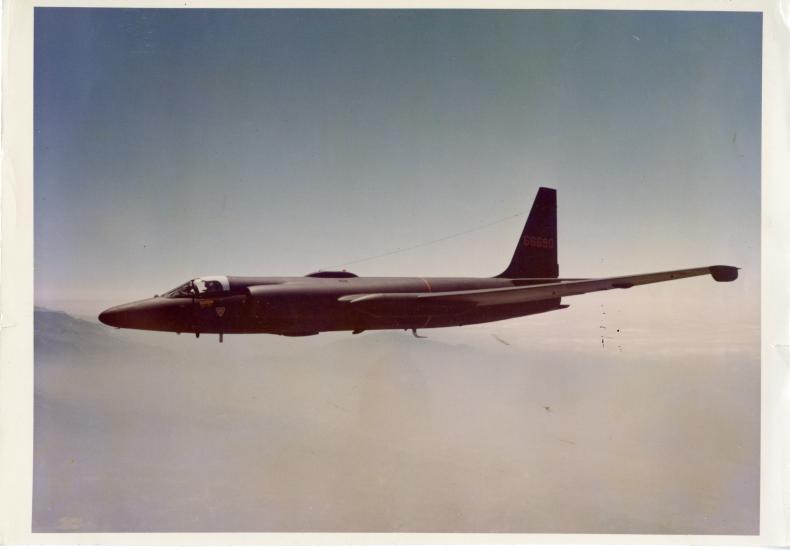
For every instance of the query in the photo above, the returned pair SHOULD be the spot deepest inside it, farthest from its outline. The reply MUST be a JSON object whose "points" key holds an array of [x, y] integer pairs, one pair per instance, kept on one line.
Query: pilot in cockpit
{"points": [[213, 286]]}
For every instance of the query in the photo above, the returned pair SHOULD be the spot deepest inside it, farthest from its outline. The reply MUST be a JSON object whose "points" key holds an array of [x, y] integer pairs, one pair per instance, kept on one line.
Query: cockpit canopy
{"points": [[201, 286]]}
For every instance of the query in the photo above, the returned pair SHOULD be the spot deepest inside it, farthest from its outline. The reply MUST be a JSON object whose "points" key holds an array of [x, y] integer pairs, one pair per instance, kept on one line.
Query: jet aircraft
{"points": [[342, 301]]}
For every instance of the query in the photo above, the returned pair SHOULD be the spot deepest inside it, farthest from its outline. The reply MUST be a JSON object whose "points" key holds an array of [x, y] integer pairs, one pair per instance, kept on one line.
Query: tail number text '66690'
{"points": [[538, 242]]}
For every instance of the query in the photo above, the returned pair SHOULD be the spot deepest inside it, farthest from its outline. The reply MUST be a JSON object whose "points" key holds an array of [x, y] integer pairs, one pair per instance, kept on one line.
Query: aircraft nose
{"points": [[133, 315], [111, 316], [150, 314]]}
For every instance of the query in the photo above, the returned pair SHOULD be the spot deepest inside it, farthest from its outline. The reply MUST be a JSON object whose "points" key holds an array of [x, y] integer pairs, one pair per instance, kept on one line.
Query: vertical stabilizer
{"points": [[536, 251]]}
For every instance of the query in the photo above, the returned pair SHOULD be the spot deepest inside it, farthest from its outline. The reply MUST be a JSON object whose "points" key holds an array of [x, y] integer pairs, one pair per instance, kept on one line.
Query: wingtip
{"points": [[724, 273]]}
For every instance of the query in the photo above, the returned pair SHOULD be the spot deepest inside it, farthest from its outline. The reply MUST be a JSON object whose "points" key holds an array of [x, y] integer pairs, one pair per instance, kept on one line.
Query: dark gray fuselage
{"points": [[301, 306]]}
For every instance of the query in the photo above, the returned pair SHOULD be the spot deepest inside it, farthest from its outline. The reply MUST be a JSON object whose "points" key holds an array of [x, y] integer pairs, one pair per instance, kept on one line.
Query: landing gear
{"points": [[197, 335], [357, 331], [220, 337], [414, 332]]}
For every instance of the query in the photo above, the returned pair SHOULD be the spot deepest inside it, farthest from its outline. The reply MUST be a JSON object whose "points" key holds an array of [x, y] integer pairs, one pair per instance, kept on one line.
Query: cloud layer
{"points": [[384, 432]]}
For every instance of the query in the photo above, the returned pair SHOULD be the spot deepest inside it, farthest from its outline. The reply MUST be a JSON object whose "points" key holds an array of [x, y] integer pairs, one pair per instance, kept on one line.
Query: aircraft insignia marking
{"points": [[220, 311]]}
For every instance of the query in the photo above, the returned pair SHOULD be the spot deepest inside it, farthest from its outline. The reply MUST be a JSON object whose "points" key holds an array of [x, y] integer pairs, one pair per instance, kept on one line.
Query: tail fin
{"points": [[536, 251]]}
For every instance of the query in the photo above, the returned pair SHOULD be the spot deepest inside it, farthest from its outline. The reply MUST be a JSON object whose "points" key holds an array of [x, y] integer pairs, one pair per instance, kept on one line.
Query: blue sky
{"points": [[174, 143]]}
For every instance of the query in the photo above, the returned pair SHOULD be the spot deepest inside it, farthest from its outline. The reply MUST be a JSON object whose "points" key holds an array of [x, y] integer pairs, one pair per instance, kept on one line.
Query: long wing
{"points": [[437, 301]]}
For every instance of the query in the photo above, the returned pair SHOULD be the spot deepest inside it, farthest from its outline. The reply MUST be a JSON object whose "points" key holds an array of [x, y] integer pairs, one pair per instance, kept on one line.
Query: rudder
{"points": [[536, 251]]}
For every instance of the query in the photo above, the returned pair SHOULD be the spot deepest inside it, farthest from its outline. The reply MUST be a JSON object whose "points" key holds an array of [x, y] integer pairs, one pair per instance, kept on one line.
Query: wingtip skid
{"points": [[724, 273]]}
